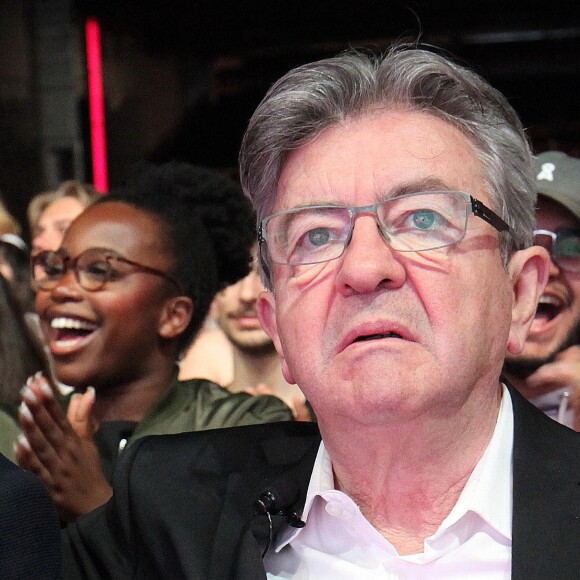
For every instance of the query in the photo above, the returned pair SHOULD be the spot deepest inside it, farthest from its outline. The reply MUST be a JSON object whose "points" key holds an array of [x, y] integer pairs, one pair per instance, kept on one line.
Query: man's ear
{"points": [[266, 307], [529, 271], [175, 316]]}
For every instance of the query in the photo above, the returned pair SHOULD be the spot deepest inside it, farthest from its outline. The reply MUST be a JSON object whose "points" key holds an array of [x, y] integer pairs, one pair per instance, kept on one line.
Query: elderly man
{"points": [[547, 371], [395, 199]]}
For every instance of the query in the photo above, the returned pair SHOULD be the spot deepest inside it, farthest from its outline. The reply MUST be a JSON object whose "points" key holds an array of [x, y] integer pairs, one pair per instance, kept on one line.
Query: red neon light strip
{"points": [[96, 105]]}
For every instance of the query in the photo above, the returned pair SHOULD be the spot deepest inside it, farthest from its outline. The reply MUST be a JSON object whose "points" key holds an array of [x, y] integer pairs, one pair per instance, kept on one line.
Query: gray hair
{"points": [[315, 96]]}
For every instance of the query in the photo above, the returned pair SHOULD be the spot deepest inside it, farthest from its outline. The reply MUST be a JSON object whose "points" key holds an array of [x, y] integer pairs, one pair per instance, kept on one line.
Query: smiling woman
{"points": [[119, 302]]}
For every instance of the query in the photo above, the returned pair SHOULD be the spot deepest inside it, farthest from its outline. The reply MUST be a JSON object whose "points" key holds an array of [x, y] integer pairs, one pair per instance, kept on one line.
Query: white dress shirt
{"points": [[338, 542]]}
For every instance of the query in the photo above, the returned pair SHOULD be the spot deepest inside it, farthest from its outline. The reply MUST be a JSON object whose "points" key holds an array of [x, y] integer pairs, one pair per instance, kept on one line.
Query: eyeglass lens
{"points": [[92, 269], [563, 246], [413, 222]]}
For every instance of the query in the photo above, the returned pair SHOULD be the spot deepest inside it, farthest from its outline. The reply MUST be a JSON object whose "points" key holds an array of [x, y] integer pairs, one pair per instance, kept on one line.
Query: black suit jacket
{"points": [[30, 547], [184, 505]]}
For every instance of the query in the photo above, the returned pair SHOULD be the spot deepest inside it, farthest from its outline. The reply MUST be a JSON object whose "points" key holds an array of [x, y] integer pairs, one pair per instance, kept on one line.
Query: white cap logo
{"points": [[547, 172]]}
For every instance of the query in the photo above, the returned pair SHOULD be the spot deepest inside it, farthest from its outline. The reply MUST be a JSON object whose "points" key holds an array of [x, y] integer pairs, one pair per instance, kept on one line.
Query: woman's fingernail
{"points": [[28, 394], [24, 411], [23, 441], [45, 387], [37, 375]]}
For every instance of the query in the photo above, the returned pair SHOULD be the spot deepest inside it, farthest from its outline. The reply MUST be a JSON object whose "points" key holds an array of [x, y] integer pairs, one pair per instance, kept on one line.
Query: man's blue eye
{"points": [[318, 236], [424, 219]]}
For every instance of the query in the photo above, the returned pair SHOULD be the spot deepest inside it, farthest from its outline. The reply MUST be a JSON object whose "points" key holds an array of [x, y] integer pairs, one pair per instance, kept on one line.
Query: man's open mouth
{"points": [[377, 336], [548, 308]]}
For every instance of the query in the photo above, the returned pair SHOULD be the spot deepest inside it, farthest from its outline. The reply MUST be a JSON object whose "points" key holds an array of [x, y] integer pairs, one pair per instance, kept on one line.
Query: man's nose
{"points": [[250, 287], [369, 263]]}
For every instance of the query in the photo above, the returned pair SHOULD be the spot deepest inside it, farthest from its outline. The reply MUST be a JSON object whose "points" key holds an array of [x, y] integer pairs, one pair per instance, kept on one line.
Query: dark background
{"points": [[182, 77], [529, 50]]}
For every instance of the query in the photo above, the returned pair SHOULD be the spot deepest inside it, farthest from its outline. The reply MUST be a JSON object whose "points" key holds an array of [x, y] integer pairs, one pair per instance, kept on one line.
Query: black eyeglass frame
{"points": [[69, 263], [478, 208]]}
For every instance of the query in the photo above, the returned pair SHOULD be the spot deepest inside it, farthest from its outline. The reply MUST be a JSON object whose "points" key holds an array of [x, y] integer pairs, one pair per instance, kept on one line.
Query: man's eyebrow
{"points": [[312, 204], [430, 183]]}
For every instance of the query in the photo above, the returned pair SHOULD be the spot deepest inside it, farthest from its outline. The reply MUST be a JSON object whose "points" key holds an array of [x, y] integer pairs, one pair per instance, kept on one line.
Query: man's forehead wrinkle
{"points": [[314, 203], [429, 183], [314, 186], [435, 142], [431, 146]]}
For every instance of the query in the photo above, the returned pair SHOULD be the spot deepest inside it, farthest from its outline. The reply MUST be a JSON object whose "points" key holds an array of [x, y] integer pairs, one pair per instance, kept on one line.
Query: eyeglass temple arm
{"points": [[262, 258], [486, 214]]}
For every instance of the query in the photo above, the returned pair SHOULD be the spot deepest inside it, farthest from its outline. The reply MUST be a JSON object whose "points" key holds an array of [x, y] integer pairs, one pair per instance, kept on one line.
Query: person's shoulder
{"points": [[222, 449], [29, 527], [238, 436], [24, 499], [19, 488], [11, 474], [171, 464], [200, 385], [536, 434], [227, 409], [8, 470]]}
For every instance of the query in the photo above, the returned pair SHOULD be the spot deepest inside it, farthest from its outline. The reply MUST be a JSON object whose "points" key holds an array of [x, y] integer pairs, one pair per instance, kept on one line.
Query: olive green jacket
{"points": [[9, 431], [199, 404], [193, 405]]}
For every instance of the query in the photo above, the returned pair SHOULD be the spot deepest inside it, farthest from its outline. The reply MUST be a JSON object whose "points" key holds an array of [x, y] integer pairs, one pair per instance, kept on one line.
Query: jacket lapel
{"points": [[242, 536], [546, 496]]}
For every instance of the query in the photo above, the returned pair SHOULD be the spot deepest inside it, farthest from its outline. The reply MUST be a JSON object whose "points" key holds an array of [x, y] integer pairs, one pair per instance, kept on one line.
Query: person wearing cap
{"points": [[547, 371]]}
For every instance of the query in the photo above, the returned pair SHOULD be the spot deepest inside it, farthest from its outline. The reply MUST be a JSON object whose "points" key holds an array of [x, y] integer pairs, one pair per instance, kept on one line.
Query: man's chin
{"points": [[256, 347]]}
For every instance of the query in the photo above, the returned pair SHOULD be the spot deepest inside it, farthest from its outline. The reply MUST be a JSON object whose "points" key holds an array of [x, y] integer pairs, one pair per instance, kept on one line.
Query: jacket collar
{"points": [[241, 535], [546, 495]]}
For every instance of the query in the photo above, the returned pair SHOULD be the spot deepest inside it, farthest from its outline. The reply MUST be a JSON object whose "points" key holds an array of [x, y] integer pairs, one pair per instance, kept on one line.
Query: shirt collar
{"points": [[487, 493]]}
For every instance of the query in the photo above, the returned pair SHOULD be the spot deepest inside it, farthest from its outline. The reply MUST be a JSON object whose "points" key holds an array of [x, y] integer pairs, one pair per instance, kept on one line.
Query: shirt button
{"points": [[334, 509]]}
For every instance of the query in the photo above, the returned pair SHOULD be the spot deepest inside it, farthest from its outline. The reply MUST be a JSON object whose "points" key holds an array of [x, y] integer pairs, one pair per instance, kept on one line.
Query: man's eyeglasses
{"points": [[409, 223], [93, 268], [563, 246]]}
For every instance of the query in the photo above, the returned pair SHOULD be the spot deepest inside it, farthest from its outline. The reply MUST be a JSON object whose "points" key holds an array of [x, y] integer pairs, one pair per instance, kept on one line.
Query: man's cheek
{"points": [[298, 279]]}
